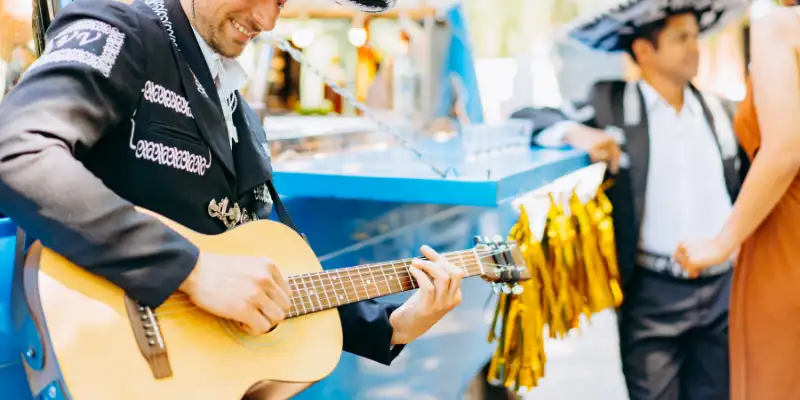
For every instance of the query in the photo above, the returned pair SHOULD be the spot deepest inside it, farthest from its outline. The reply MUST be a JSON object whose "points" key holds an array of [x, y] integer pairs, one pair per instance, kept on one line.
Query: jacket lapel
{"points": [[251, 160], [200, 88], [637, 146]]}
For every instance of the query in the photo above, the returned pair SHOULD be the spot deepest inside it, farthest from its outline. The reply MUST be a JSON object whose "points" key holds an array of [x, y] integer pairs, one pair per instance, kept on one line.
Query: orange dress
{"points": [[765, 299]]}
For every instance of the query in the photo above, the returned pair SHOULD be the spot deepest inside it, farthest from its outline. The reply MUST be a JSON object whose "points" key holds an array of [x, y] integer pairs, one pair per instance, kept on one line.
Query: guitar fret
{"points": [[333, 288], [397, 276], [478, 259], [364, 285], [293, 286], [353, 285], [341, 286], [302, 299], [315, 293], [364, 281], [375, 281], [463, 264], [385, 279], [408, 271], [341, 283], [323, 290]]}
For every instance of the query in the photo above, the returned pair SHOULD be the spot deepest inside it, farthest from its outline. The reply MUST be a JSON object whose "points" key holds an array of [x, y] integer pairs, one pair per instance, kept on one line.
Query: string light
{"points": [[303, 37], [357, 36]]}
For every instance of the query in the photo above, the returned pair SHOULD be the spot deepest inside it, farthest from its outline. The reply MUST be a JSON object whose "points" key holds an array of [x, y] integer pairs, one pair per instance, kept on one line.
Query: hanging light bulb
{"points": [[357, 36], [303, 37]]}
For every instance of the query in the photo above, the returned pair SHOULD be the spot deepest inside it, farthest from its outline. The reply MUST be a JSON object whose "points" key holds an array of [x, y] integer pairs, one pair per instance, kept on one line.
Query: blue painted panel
{"points": [[440, 364], [459, 64], [370, 206], [396, 175], [13, 383]]}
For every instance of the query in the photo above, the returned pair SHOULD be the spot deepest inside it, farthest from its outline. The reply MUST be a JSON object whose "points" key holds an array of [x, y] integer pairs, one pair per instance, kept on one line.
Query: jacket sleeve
{"points": [[367, 332], [550, 125], [87, 81]]}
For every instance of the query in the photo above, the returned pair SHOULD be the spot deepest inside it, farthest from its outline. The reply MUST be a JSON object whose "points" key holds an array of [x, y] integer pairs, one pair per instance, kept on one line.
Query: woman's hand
{"points": [[696, 255]]}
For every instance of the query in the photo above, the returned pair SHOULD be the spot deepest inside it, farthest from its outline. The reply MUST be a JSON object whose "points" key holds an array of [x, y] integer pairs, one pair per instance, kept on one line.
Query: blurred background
{"points": [[431, 69]]}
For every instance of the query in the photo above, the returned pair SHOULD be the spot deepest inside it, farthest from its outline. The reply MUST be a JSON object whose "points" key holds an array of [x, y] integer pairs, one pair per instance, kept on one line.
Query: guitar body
{"points": [[90, 344]]}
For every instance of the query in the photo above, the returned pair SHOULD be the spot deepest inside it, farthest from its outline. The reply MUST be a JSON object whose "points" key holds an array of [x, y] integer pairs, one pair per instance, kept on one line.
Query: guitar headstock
{"points": [[503, 263]]}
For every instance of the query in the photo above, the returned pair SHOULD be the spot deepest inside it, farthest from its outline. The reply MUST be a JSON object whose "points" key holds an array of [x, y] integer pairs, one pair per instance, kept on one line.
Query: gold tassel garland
{"points": [[574, 273]]}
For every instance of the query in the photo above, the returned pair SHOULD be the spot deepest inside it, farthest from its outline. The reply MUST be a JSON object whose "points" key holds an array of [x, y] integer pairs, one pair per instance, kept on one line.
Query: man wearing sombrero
{"points": [[677, 169], [135, 102]]}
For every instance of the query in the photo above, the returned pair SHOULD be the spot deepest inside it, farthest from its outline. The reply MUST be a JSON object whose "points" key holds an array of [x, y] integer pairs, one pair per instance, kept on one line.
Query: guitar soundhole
{"points": [[243, 329], [265, 342]]}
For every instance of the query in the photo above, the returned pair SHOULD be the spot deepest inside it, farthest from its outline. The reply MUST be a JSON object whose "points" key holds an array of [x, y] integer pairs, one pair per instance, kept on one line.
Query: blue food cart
{"points": [[366, 205]]}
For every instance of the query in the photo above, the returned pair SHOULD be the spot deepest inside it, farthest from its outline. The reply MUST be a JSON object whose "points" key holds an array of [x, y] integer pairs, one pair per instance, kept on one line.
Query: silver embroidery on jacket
{"points": [[78, 43]]}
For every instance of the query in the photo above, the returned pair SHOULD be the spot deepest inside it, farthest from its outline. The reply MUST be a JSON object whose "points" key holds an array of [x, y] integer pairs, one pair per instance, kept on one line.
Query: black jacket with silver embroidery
{"points": [[121, 111]]}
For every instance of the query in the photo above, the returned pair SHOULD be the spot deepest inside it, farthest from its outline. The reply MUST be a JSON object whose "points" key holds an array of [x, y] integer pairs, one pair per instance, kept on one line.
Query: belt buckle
{"points": [[663, 264]]}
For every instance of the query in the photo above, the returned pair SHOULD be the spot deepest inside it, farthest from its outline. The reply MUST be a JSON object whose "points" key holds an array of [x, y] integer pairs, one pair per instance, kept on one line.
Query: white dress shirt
{"points": [[229, 76], [686, 195]]}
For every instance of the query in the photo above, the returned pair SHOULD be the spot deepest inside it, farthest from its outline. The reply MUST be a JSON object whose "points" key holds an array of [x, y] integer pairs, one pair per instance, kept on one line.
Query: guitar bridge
{"points": [[149, 338]]}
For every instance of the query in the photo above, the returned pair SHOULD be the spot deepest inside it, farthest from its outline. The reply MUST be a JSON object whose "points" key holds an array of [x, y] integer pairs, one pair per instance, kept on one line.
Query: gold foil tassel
{"points": [[574, 273]]}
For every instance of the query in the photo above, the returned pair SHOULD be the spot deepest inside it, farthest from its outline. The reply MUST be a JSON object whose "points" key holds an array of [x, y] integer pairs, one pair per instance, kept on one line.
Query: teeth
{"points": [[241, 29]]}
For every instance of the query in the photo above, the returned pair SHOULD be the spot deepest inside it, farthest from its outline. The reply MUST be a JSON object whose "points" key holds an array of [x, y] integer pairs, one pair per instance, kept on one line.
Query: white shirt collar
{"points": [[653, 99], [233, 75]]}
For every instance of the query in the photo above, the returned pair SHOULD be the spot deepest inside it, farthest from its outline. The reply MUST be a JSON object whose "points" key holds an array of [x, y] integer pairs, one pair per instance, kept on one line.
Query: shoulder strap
{"points": [[708, 115], [280, 208], [734, 176]]}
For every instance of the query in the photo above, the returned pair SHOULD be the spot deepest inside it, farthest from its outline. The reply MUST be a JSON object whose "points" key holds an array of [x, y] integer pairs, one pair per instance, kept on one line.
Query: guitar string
{"points": [[308, 304], [342, 280], [368, 270], [351, 288], [333, 288], [382, 274], [307, 301]]}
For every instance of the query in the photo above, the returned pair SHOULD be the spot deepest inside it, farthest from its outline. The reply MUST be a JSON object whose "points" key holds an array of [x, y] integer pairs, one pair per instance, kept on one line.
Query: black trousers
{"points": [[674, 337]]}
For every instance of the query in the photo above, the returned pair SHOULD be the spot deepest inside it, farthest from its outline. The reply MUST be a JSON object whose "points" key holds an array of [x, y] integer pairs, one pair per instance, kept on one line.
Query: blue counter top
{"points": [[397, 175]]}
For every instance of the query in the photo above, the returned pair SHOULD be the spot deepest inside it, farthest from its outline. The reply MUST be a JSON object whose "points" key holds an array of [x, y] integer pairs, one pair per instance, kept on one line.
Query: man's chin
{"points": [[231, 50]]}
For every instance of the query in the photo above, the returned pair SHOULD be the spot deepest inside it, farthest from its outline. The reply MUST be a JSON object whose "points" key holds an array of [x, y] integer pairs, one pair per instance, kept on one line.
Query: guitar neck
{"points": [[333, 288]]}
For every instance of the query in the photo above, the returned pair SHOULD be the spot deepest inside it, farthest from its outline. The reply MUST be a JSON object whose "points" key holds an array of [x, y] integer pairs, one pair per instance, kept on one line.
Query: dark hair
{"points": [[652, 31]]}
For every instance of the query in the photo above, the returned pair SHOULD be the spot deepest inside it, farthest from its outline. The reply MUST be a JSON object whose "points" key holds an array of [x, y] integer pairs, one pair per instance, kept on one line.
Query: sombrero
{"points": [[612, 29], [372, 6]]}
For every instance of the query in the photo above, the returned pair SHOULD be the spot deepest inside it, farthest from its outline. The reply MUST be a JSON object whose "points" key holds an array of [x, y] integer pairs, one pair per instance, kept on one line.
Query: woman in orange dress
{"points": [[765, 222]]}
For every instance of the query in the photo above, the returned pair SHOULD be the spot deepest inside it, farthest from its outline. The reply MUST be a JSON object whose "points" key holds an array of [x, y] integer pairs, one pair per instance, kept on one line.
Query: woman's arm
{"points": [[776, 93]]}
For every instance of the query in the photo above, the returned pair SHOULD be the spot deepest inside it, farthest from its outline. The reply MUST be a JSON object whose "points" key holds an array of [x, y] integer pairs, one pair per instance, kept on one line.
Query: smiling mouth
{"points": [[244, 31]]}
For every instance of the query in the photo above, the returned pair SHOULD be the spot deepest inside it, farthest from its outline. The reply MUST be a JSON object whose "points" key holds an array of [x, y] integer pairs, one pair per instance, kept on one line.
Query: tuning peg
{"points": [[497, 239], [496, 288], [517, 289], [477, 240], [506, 289], [498, 271]]}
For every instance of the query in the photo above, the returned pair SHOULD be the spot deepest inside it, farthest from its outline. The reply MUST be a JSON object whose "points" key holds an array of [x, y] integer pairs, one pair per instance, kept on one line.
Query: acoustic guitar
{"points": [[97, 343]]}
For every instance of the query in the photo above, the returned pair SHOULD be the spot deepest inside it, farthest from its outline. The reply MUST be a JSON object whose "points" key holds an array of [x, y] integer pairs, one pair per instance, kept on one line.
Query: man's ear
{"points": [[641, 48]]}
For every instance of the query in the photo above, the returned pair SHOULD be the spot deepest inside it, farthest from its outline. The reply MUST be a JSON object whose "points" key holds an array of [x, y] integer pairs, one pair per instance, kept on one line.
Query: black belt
{"points": [[666, 265]]}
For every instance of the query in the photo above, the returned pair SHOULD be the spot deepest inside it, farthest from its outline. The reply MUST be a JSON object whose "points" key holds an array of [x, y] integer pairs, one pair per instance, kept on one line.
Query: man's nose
{"points": [[694, 45]]}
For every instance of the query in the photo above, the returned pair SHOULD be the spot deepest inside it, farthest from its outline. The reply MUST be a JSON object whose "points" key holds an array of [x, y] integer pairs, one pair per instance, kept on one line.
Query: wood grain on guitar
{"points": [[103, 345]]}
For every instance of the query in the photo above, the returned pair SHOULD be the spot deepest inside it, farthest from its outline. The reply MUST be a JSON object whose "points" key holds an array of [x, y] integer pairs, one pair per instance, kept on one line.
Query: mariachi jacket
{"points": [[121, 110], [620, 105]]}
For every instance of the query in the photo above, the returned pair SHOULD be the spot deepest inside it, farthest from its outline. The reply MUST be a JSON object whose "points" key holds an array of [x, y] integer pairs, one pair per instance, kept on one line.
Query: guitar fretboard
{"points": [[328, 289]]}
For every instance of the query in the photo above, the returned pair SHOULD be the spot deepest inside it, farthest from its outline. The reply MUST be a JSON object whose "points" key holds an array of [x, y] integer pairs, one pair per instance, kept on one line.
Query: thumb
{"points": [[615, 158]]}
